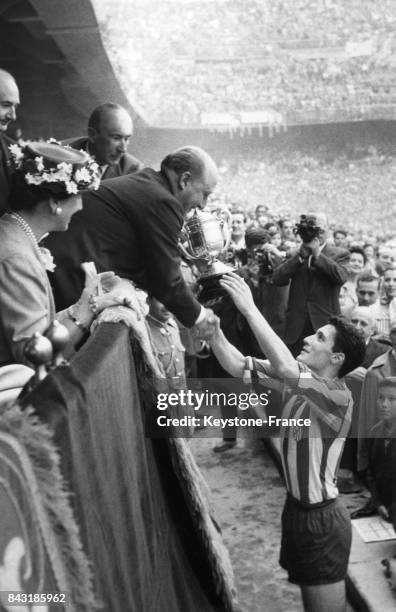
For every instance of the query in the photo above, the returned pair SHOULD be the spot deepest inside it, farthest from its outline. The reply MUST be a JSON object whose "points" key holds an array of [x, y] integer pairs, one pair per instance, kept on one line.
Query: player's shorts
{"points": [[316, 541]]}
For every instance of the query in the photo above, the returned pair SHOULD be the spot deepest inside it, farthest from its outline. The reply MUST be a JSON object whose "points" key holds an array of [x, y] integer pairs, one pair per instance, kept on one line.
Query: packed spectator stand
{"points": [[300, 63]]}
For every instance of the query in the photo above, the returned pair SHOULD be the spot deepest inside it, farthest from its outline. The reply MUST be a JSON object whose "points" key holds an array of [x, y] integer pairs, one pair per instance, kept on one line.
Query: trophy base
{"points": [[209, 281], [215, 270]]}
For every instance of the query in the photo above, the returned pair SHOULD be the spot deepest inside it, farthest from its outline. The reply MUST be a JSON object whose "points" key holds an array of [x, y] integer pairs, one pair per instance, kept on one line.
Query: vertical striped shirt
{"points": [[311, 455]]}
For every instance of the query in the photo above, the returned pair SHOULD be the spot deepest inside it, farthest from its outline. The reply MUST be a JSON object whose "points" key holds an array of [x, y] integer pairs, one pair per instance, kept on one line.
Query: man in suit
{"points": [[316, 272], [382, 367], [9, 101], [131, 225], [362, 318], [109, 132]]}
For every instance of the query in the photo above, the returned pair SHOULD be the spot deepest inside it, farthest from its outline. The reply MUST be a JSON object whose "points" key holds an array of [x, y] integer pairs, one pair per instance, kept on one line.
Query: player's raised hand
{"points": [[239, 292]]}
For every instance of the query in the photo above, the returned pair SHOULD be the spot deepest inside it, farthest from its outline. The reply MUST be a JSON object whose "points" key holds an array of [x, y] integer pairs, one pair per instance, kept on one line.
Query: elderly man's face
{"points": [[385, 257], [196, 190], [364, 322], [9, 101], [110, 141]]}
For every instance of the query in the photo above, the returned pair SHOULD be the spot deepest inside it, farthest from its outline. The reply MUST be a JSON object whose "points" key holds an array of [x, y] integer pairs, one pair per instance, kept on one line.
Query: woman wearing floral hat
{"points": [[44, 196]]}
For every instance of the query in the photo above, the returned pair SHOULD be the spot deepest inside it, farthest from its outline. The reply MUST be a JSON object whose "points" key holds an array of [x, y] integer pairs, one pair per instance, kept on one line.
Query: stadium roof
{"points": [[54, 50]]}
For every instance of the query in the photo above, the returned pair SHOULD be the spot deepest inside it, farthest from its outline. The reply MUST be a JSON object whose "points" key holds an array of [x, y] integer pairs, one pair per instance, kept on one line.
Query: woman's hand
{"points": [[116, 297], [104, 290], [383, 512], [239, 292], [102, 282]]}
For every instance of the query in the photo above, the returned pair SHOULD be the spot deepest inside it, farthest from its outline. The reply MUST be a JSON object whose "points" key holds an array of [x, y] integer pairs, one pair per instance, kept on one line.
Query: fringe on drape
{"points": [[31, 441], [196, 493]]}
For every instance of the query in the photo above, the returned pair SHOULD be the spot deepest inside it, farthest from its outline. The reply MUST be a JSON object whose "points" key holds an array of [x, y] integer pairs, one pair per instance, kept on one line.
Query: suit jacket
{"points": [[373, 350], [5, 171], [26, 302], [126, 165], [131, 225], [314, 289]]}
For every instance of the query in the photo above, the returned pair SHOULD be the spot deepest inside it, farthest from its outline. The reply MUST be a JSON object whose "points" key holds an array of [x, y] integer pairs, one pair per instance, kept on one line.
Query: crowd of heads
{"points": [[310, 60], [269, 239], [354, 186]]}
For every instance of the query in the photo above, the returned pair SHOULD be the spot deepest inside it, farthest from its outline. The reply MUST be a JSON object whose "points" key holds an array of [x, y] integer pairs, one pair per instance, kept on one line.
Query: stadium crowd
{"points": [[355, 187], [303, 62]]}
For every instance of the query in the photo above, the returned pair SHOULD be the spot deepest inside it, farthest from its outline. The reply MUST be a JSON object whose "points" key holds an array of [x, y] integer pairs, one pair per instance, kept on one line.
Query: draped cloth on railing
{"points": [[145, 523], [40, 549]]}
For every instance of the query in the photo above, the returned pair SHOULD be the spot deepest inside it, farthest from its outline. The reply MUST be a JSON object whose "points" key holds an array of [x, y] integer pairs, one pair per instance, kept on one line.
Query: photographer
{"points": [[316, 271]]}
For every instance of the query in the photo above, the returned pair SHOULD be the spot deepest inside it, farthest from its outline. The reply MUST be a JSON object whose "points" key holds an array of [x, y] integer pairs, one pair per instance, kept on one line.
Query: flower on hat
{"points": [[39, 163], [16, 152], [71, 187], [39, 171]]}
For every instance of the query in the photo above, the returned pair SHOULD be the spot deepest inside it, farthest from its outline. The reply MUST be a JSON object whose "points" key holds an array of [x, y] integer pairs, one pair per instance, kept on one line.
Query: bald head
{"points": [[9, 99], [109, 131], [363, 320], [189, 159], [192, 174]]}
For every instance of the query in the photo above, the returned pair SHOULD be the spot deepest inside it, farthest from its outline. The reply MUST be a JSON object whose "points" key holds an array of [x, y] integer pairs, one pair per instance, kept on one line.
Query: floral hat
{"points": [[55, 167]]}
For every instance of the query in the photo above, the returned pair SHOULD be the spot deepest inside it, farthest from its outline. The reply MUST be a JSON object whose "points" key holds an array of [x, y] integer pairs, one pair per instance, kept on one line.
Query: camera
{"points": [[308, 228], [264, 260]]}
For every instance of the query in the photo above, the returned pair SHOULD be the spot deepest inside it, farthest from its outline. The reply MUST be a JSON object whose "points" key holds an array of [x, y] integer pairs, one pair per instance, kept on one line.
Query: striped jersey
{"points": [[311, 455]]}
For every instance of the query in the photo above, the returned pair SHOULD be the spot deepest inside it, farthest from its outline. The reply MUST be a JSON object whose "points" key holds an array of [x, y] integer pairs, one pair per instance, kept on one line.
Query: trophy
{"points": [[207, 236]]}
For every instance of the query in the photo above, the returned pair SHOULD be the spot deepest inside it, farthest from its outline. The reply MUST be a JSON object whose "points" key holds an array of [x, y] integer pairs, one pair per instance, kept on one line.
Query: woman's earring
{"points": [[56, 209]]}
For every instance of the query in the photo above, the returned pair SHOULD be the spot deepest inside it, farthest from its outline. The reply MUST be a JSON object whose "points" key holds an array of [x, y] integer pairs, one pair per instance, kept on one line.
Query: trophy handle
{"points": [[185, 254]]}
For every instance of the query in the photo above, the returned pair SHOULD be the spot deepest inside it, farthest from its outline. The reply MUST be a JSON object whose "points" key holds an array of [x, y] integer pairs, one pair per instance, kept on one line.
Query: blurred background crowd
{"points": [[312, 60]]}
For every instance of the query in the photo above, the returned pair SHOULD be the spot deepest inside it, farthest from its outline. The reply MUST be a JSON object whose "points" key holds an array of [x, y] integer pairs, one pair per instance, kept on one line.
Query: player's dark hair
{"points": [[349, 341]]}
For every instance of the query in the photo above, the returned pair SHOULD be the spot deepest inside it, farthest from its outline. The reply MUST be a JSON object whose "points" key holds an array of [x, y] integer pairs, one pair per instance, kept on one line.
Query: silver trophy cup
{"points": [[207, 237]]}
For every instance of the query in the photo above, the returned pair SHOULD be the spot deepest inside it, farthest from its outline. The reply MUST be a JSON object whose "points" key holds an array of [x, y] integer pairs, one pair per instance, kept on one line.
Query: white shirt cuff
{"points": [[201, 316]]}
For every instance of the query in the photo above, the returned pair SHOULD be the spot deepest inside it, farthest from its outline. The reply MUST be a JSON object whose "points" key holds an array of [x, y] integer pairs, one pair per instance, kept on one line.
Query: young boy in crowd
{"points": [[170, 352], [381, 470], [166, 339]]}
